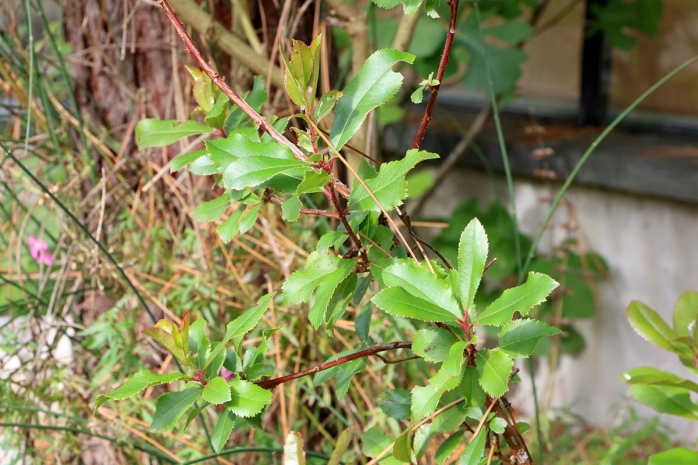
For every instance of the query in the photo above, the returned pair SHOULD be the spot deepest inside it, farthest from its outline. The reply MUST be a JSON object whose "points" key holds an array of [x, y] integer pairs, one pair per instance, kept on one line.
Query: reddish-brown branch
{"points": [[230, 93], [439, 75], [272, 383], [343, 219], [305, 211]]}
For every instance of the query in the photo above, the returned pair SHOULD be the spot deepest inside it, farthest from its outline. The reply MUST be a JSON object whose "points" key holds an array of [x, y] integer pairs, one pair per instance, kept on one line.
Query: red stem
{"points": [[439, 75], [272, 383]]}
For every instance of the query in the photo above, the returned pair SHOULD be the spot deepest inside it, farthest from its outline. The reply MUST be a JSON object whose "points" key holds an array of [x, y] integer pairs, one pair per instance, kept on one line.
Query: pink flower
{"points": [[39, 250], [227, 374]]}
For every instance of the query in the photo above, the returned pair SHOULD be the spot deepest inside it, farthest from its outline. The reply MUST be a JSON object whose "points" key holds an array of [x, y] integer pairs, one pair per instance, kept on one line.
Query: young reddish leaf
{"points": [[518, 299], [472, 256], [171, 405], [375, 84]]}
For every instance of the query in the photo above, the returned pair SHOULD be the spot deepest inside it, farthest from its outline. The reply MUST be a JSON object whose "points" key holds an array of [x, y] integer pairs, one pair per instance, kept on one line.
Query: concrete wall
{"points": [[651, 247]]}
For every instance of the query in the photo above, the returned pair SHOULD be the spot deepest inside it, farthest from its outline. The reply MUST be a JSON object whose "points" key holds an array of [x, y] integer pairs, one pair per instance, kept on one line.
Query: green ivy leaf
{"points": [[389, 186], [675, 456], [473, 452], [211, 210], [665, 399], [293, 448], [216, 391], [398, 302], [472, 257], [396, 403], [171, 405], [519, 337], [518, 299], [223, 429], [325, 105], [248, 399], [141, 380], [375, 84], [159, 133], [324, 272], [494, 367], [433, 344], [425, 399]]}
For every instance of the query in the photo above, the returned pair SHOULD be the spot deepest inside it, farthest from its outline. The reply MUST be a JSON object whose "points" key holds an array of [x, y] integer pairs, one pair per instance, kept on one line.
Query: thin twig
{"points": [[272, 383], [439, 75]]}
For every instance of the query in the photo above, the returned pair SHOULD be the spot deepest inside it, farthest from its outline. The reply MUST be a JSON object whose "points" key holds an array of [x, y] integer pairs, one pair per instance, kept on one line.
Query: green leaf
{"points": [[341, 446], [402, 448], [433, 344], [473, 452], [470, 387], [418, 183], [675, 456], [248, 399], [299, 74], [167, 334], [231, 226], [399, 302], [387, 4], [665, 399], [362, 323], [494, 367], [216, 391], [293, 448], [649, 375], [454, 361], [511, 31], [418, 95], [324, 272], [375, 84], [325, 105], [648, 324], [159, 133], [396, 403], [519, 337], [374, 442], [390, 185], [181, 161], [618, 18], [141, 380], [498, 425], [431, 8], [171, 405], [685, 315], [518, 299], [291, 208], [425, 399], [211, 210], [422, 284], [313, 181], [448, 446], [222, 430], [203, 166], [345, 373], [472, 257], [252, 172], [249, 218]]}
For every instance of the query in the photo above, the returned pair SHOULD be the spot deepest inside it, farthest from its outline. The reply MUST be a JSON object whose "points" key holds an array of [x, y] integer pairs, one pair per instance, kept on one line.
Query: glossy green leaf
{"points": [[291, 208], [420, 282], [686, 314], [249, 218], [375, 84], [650, 375], [472, 258], [518, 299], [665, 399], [293, 448], [181, 161], [475, 449], [203, 166], [497, 425], [252, 172], [141, 380], [397, 301], [390, 185], [171, 405], [344, 374], [223, 429], [675, 456], [216, 391], [453, 363], [494, 367], [248, 399], [425, 399], [448, 447], [648, 324], [519, 338], [374, 442], [159, 133], [211, 210], [396, 403], [433, 344], [171, 340], [216, 116], [313, 181], [325, 105], [470, 387], [230, 228]]}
